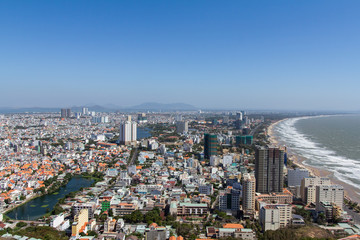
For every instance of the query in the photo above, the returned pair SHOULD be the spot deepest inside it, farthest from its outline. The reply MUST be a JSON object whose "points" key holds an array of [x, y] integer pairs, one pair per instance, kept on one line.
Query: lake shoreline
{"points": [[44, 205], [37, 196]]}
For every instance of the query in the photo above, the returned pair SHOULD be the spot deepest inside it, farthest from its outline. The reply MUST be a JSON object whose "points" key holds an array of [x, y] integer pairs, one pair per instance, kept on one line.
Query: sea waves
{"points": [[315, 154]]}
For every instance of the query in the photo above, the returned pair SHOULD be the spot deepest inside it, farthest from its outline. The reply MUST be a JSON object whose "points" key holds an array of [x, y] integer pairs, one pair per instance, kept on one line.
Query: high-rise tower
{"points": [[128, 132], [210, 145], [248, 193], [269, 164]]}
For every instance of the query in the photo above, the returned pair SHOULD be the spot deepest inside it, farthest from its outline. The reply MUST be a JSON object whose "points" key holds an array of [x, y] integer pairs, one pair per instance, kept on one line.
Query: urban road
{"points": [[353, 214], [133, 157], [253, 131]]}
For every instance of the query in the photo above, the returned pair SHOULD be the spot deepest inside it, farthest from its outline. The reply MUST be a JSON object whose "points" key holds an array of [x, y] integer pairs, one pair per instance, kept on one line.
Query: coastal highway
{"points": [[353, 214]]}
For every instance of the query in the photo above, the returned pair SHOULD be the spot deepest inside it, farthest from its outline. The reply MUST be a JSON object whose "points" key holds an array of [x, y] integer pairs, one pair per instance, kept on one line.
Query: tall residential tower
{"points": [[269, 165], [128, 131], [248, 193]]}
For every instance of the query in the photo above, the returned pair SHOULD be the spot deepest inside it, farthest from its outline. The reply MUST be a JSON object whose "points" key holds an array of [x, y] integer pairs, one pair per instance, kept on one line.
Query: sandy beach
{"points": [[350, 191]]}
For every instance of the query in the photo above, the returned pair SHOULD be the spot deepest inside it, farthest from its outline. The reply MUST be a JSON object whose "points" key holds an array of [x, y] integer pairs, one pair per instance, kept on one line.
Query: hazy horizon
{"points": [[111, 107], [280, 55]]}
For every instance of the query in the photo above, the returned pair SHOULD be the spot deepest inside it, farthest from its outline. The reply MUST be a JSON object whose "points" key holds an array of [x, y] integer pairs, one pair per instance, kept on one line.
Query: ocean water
{"points": [[328, 142]]}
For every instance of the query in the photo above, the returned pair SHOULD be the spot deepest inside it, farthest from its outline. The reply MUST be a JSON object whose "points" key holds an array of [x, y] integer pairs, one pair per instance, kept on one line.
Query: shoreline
{"points": [[5, 213], [350, 192], [46, 215]]}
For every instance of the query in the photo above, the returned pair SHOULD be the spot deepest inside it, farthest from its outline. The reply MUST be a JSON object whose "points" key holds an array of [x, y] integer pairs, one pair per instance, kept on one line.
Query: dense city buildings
{"points": [[213, 177]]}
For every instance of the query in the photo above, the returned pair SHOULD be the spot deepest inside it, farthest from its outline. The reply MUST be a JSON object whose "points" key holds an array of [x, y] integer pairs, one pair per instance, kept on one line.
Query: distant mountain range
{"points": [[150, 106], [164, 107]]}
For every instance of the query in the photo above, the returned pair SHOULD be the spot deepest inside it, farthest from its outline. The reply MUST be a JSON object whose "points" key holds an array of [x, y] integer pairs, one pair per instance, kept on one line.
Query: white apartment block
{"points": [[269, 217], [330, 193], [128, 132], [275, 216]]}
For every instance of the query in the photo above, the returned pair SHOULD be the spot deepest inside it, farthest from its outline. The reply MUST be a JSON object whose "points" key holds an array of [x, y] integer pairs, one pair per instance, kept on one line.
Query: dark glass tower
{"points": [[210, 145]]}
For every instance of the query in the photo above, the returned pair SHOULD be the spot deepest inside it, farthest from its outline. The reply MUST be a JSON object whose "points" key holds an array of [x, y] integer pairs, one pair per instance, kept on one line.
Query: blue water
{"points": [[328, 142], [37, 207]]}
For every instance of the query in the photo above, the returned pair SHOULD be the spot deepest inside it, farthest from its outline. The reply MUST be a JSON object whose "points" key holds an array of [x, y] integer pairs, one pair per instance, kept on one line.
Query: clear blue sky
{"points": [[212, 54]]}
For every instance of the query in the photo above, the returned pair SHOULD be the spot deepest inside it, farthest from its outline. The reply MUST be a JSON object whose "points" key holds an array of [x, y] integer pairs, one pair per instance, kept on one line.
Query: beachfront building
{"points": [[295, 176], [330, 210], [269, 165], [334, 194], [308, 188]]}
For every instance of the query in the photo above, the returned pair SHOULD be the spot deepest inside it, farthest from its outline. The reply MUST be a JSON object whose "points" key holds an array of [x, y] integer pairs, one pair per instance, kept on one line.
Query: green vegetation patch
{"points": [[42, 233]]}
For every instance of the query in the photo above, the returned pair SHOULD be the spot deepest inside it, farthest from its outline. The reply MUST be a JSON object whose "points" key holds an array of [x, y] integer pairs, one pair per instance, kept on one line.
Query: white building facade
{"points": [[128, 132]]}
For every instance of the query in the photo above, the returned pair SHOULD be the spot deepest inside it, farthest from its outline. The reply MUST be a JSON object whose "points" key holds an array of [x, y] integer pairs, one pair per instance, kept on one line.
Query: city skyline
{"points": [[278, 55]]}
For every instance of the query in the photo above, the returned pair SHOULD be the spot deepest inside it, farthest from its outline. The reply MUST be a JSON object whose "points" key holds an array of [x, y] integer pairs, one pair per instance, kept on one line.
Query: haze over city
{"points": [[293, 55]]}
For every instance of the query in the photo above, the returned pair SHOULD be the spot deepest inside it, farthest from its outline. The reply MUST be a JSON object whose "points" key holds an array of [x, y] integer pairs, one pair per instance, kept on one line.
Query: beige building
{"points": [[192, 209], [333, 194], [308, 188], [248, 198], [285, 197], [233, 230], [80, 222], [123, 208]]}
